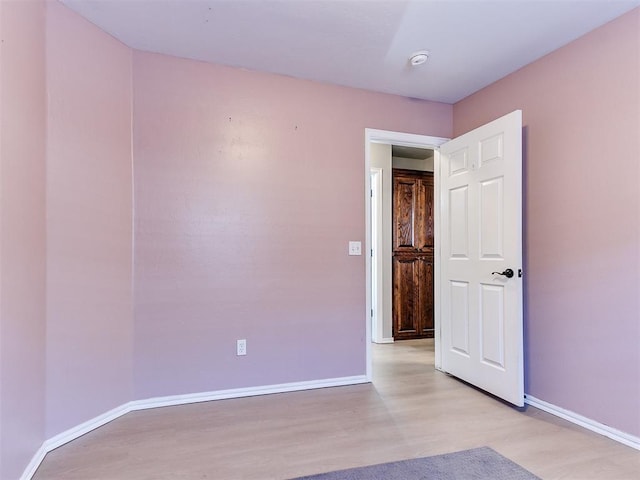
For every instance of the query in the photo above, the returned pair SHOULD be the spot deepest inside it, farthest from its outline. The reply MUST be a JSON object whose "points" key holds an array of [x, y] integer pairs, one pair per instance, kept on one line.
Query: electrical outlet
{"points": [[241, 347]]}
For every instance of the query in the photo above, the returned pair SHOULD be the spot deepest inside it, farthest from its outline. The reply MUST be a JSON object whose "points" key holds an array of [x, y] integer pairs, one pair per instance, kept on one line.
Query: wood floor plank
{"points": [[410, 410]]}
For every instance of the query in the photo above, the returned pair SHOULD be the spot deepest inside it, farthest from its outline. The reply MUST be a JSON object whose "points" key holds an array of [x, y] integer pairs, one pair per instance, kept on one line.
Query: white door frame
{"points": [[376, 277], [408, 140]]}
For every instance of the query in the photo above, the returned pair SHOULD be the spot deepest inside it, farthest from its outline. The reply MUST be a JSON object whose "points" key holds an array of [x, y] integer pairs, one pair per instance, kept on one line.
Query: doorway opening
{"points": [[379, 164]]}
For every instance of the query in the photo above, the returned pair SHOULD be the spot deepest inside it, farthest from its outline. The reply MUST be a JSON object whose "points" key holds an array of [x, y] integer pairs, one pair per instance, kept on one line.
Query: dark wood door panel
{"points": [[426, 297], [413, 243], [405, 312], [404, 209], [424, 208]]}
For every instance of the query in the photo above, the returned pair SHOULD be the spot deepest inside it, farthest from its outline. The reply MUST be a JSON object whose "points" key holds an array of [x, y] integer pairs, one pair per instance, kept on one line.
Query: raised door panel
{"points": [[424, 215], [405, 202], [426, 296], [405, 299]]}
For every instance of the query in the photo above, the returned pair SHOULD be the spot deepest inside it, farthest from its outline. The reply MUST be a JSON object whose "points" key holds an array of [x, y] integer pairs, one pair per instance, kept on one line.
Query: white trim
{"points": [[437, 266], [377, 303], [72, 434], [34, 463], [245, 392], [614, 434], [406, 140], [89, 425], [86, 427], [384, 340]]}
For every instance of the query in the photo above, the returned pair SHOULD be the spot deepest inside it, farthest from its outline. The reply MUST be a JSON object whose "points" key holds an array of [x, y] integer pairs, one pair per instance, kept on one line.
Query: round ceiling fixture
{"points": [[418, 58]]}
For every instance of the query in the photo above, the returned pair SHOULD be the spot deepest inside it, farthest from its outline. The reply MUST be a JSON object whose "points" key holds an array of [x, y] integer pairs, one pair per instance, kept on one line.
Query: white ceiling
{"points": [[358, 43]]}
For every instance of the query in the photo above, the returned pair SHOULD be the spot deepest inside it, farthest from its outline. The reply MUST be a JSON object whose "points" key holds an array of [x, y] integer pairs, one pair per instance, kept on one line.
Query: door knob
{"points": [[507, 273]]}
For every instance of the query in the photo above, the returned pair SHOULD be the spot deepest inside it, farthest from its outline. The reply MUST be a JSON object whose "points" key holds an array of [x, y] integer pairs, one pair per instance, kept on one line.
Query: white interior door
{"points": [[481, 232]]}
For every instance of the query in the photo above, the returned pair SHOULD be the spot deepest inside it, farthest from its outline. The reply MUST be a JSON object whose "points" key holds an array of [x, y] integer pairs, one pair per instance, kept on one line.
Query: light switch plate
{"points": [[355, 248]]}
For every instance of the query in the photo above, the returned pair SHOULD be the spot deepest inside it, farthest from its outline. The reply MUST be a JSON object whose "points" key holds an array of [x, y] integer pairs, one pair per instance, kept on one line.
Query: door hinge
{"points": [[372, 313]]}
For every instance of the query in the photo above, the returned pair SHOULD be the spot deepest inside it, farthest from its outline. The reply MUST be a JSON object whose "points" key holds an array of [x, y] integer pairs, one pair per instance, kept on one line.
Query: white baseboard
{"points": [[245, 392], [86, 427], [72, 434], [34, 463], [384, 340], [614, 434]]}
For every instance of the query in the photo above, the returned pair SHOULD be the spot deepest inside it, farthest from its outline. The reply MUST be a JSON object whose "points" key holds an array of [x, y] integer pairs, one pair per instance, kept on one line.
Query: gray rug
{"points": [[476, 464]]}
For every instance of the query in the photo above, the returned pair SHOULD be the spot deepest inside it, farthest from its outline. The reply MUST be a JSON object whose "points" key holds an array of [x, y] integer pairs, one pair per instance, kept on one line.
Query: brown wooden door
{"points": [[412, 254]]}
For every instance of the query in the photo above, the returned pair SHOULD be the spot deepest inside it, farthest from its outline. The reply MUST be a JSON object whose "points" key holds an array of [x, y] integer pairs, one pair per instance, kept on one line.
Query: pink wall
{"points": [[581, 109], [89, 221], [248, 188], [22, 234]]}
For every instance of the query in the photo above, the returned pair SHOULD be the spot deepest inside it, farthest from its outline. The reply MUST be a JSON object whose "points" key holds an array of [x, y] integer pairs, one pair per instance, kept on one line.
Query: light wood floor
{"points": [[409, 411]]}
